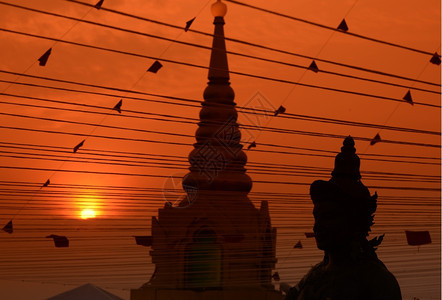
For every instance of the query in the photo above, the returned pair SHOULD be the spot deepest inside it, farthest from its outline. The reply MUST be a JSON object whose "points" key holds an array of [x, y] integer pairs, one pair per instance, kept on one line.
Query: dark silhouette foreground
{"points": [[343, 212]]}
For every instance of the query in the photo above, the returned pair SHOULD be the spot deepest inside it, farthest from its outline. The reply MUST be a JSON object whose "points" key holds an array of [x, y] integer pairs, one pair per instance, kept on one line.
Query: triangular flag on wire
{"points": [[59, 240], [145, 241], [343, 26], [117, 107], [251, 145], [280, 110], [46, 183], [313, 67], [188, 24], [408, 97], [375, 140], [298, 245], [435, 59], [417, 238], [155, 67], [8, 227], [78, 146], [276, 277], [44, 58], [99, 4]]}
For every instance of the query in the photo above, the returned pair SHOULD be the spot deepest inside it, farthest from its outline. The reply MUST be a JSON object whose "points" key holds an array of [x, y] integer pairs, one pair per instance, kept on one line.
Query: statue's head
{"points": [[343, 207]]}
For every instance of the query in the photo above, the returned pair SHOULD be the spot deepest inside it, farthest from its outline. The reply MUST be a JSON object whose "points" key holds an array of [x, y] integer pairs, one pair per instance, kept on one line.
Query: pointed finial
{"points": [[219, 9], [347, 162]]}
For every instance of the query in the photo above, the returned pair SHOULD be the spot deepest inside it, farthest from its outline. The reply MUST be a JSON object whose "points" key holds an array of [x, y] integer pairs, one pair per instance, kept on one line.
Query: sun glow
{"points": [[87, 213]]}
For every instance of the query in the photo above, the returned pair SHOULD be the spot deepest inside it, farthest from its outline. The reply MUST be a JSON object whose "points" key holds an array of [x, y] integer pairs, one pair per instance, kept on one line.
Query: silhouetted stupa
{"points": [[215, 244]]}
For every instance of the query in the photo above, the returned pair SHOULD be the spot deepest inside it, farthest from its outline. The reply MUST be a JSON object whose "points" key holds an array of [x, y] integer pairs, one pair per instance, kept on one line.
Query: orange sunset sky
{"points": [[128, 159]]}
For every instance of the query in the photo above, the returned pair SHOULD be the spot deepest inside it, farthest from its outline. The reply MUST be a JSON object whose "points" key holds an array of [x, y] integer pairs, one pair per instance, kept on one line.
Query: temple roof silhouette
{"points": [[86, 292]]}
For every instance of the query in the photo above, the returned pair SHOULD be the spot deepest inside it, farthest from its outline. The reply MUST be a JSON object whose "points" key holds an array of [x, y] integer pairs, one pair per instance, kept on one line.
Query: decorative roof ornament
{"points": [[219, 9], [347, 162]]}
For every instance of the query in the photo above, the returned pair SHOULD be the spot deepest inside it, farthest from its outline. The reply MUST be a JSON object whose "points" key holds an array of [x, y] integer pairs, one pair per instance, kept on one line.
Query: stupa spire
{"points": [[217, 161]]}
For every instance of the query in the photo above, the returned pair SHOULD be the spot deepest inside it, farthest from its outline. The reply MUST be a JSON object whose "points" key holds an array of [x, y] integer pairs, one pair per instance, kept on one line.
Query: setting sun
{"points": [[87, 213]]}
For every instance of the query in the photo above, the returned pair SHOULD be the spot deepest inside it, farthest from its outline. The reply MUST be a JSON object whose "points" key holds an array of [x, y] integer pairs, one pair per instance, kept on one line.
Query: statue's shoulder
{"points": [[310, 281], [380, 280]]}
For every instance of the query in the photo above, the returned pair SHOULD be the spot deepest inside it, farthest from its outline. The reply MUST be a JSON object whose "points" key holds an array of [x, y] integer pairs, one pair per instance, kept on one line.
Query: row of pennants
{"points": [[414, 238], [343, 27]]}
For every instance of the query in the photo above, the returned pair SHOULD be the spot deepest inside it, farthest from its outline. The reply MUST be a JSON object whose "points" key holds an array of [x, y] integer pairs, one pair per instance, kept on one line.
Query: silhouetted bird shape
{"points": [[44, 58], [276, 277], [343, 26], [78, 146], [251, 145], [8, 227], [99, 4], [298, 245], [417, 238], [59, 240], [435, 59], [145, 241], [188, 24], [313, 67], [375, 140], [408, 97], [46, 183], [280, 110], [155, 67], [117, 107]]}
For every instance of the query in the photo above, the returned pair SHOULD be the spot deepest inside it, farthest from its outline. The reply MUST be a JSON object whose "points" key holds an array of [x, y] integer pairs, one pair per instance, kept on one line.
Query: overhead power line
{"points": [[253, 44], [187, 120], [330, 28], [167, 176], [229, 52], [300, 132], [178, 27]]}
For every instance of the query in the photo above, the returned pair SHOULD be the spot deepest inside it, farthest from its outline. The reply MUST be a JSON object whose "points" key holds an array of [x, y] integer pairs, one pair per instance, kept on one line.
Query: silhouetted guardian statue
{"points": [[344, 211]]}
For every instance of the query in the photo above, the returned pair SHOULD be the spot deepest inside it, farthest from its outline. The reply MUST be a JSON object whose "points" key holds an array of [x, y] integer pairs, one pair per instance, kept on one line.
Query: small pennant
{"points": [[117, 107], [343, 26], [298, 245], [155, 67], [78, 146], [59, 240], [99, 4], [280, 110], [8, 227], [417, 238], [309, 234], [276, 277], [188, 24], [435, 59], [252, 145], [313, 67], [145, 241], [408, 97], [44, 58], [375, 140], [46, 183]]}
